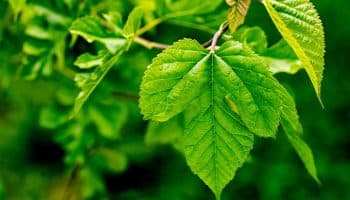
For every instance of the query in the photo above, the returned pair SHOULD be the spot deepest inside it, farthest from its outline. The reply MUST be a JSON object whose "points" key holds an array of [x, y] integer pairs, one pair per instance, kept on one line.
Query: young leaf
{"points": [[17, 6], [44, 50], [193, 7], [217, 138], [254, 37], [114, 21], [133, 23], [293, 129], [52, 117], [281, 58], [109, 160], [301, 27], [109, 118], [89, 81], [33, 66], [87, 61], [237, 13], [91, 29]]}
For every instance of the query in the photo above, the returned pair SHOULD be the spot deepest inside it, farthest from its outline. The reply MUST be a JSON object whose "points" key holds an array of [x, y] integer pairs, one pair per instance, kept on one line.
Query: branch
{"points": [[212, 42], [128, 96], [67, 195], [150, 44], [162, 19], [217, 36]]}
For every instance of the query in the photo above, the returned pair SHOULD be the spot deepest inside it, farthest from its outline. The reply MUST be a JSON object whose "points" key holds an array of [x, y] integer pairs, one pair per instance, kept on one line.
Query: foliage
{"points": [[99, 82]]}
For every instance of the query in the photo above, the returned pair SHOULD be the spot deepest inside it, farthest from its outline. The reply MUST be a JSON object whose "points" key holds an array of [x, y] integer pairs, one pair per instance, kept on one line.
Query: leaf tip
{"points": [[72, 114], [319, 183], [320, 100]]}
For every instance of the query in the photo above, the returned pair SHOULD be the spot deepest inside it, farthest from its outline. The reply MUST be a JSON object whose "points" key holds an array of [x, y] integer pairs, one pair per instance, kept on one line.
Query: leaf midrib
{"points": [[198, 64], [213, 120]]}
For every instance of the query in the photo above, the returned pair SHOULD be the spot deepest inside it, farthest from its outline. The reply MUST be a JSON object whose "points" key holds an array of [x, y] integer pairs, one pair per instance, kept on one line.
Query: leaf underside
{"points": [[237, 13], [301, 27], [92, 29], [281, 58], [217, 138]]}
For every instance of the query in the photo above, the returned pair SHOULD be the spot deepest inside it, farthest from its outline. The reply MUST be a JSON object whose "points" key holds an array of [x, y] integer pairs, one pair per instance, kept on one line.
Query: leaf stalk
{"points": [[223, 28]]}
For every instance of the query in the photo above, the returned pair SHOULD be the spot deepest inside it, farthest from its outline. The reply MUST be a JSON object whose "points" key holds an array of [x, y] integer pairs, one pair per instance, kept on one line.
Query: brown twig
{"points": [[217, 36], [129, 96], [71, 179]]}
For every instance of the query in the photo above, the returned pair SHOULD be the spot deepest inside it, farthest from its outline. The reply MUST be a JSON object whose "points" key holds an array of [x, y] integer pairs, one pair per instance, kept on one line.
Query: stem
{"points": [[127, 96], [217, 35], [72, 177], [207, 43], [160, 20], [69, 74], [150, 44]]}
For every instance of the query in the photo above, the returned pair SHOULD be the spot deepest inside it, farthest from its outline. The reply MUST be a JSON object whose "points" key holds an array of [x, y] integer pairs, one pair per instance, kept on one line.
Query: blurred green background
{"points": [[40, 153]]}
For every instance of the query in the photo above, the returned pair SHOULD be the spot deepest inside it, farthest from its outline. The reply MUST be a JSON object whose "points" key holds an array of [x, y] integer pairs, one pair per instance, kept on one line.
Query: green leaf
{"points": [[109, 118], [87, 82], [34, 47], [204, 15], [110, 160], [254, 37], [216, 142], [17, 6], [114, 21], [302, 149], [301, 27], [178, 76], [217, 138], [93, 184], [92, 29], [87, 61], [52, 117], [32, 66], [133, 23], [76, 139], [293, 129], [289, 113], [50, 11], [281, 58], [38, 32], [193, 7], [237, 13]]}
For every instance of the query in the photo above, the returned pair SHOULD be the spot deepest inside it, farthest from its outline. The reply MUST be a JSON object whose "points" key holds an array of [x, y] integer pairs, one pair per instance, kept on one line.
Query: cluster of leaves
{"points": [[209, 103], [229, 95]]}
